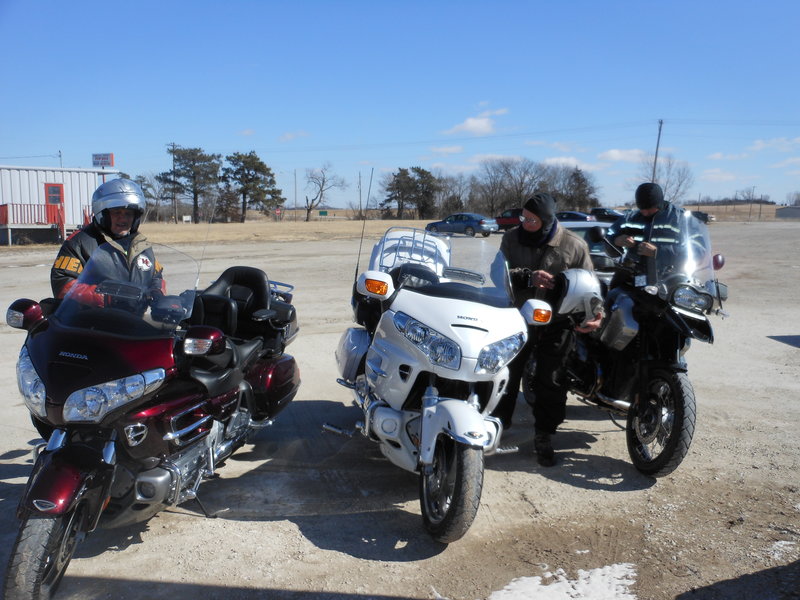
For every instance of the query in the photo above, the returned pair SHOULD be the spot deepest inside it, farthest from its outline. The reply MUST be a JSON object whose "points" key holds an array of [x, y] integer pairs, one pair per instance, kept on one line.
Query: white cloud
{"points": [[478, 158], [292, 135], [570, 161], [721, 156], [448, 150], [780, 144], [717, 175], [247, 132], [483, 124], [789, 162], [454, 169], [560, 146], [616, 155], [474, 126]]}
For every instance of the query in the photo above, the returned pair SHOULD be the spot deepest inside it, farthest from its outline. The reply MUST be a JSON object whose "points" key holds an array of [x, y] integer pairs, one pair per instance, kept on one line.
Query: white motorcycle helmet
{"points": [[117, 193], [578, 294]]}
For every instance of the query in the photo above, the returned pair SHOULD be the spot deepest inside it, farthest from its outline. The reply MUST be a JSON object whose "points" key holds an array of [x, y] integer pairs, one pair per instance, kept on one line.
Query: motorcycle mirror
{"points": [[718, 261], [203, 340], [375, 284], [536, 312], [24, 314], [596, 234]]}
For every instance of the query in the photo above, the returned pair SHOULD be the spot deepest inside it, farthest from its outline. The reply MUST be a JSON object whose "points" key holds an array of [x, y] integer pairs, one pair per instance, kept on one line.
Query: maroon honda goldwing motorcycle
{"points": [[141, 387]]}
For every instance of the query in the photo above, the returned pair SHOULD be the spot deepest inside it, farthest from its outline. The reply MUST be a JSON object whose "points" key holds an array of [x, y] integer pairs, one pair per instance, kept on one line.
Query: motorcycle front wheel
{"points": [[40, 556], [661, 425], [450, 490]]}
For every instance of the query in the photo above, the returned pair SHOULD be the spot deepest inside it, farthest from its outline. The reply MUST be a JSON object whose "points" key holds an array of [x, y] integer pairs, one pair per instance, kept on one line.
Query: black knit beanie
{"points": [[543, 205], [649, 195]]}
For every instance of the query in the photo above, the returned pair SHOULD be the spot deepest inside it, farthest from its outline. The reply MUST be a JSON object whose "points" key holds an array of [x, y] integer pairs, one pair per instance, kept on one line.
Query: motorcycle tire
{"points": [[41, 553], [450, 491], [660, 426]]}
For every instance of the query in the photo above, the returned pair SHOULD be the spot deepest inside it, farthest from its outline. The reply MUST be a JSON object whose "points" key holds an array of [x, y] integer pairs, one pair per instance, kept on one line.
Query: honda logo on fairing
{"points": [[466, 318], [73, 355]]}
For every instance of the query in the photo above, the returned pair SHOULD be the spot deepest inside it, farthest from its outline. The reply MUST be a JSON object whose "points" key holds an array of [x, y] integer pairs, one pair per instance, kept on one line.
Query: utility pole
{"points": [[658, 143]]}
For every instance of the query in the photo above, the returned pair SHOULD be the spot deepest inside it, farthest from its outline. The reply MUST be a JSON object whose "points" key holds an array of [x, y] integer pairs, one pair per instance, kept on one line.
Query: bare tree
{"points": [[675, 177], [319, 182]]}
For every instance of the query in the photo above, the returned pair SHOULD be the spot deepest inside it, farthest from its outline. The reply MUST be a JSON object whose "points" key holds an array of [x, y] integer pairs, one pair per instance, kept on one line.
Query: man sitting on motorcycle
{"points": [[651, 229], [117, 207], [537, 251]]}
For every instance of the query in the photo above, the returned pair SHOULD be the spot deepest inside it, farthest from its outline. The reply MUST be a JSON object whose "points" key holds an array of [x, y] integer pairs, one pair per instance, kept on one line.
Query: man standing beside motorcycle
{"points": [[537, 251], [117, 208], [652, 229]]}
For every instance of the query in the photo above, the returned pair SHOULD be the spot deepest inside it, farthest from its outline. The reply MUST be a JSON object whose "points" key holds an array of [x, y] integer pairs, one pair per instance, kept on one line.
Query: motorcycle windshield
{"points": [[132, 290], [683, 257], [463, 268]]}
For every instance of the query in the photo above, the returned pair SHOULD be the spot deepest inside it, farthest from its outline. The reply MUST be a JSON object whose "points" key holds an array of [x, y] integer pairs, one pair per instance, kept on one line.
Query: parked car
{"points": [[466, 223], [704, 216], [605, 214], [509, 218], [600, 260], [573, 215]]}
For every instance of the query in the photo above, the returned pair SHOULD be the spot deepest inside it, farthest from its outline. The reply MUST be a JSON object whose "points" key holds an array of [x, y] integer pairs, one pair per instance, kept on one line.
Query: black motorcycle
{"points": [[635, 365]]}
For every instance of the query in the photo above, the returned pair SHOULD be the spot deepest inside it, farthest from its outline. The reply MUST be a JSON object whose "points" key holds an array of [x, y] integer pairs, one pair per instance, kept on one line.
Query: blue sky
{"points": [[372, 86]]}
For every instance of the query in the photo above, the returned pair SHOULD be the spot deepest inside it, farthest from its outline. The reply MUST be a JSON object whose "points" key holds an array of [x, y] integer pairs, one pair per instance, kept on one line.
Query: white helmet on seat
{"points": [[117, 193]]}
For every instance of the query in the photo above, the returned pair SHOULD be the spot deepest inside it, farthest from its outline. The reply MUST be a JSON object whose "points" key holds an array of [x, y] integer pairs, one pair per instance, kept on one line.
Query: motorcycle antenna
{"points": [[363, 217]]}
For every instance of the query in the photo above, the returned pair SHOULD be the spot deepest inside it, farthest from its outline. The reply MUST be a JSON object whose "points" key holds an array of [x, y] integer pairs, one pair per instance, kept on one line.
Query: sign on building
{"points": [[103, 160]]}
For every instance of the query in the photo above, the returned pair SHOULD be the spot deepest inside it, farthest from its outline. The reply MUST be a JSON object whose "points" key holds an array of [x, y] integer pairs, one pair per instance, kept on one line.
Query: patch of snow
{"points": [[606, 583]]}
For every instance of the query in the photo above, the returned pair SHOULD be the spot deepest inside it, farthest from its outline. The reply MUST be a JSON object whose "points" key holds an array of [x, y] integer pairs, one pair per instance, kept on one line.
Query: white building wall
{"points": [[25, 185]]}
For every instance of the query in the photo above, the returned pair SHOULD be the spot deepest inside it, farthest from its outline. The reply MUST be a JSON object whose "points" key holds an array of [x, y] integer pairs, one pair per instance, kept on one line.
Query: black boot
{"points": [[505, 410], [544, 449]]}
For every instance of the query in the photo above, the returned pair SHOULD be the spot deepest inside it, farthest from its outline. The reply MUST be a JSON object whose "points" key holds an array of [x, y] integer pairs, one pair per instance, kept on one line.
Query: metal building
{"points": [[45, 204]]}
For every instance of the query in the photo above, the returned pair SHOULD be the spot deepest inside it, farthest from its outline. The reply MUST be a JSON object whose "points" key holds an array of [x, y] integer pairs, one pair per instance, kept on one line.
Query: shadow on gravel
{"points": [[778, 583], [91, 588], [791, 340]]}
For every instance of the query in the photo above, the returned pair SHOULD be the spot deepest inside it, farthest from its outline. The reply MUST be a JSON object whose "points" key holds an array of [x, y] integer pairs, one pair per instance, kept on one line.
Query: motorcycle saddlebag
{"points": [[275, 382]]}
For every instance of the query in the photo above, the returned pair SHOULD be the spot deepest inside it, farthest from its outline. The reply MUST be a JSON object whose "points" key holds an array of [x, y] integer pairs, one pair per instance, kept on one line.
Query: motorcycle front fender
{"points": [[62, 479], [456, 419]]}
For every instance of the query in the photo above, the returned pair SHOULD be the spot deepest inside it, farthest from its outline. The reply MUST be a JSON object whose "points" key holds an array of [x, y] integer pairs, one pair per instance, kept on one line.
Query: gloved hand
{"points": [[520, 277]]}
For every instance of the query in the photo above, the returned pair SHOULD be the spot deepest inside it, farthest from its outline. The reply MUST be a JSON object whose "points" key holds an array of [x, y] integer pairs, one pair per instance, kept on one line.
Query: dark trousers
{"points": [[550, 346]]}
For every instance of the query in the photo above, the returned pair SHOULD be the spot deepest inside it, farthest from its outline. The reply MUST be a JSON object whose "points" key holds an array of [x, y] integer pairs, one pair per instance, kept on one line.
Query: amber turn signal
{"points": [[376, 286]]}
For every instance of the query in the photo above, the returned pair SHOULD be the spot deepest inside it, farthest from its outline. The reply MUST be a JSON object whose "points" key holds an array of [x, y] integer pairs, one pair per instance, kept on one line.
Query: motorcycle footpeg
{"points": [[507, 450], [338, 430]]}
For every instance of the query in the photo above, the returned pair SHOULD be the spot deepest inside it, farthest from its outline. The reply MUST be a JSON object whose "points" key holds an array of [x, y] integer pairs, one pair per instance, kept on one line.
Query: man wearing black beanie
{"points": [[653, 225], [536, 251]]}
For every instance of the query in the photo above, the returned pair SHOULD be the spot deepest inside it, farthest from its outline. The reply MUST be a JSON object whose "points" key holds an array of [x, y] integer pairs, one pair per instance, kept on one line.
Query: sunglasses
{"points": [[527, 220]]}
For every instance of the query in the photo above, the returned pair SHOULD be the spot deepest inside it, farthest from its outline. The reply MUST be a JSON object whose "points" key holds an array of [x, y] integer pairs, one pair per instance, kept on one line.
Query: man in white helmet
{"points": [[118, 206]]}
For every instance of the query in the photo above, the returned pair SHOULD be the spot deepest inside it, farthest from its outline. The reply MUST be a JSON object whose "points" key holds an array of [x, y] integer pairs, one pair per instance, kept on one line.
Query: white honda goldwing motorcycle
{"points": [[429, 364]]}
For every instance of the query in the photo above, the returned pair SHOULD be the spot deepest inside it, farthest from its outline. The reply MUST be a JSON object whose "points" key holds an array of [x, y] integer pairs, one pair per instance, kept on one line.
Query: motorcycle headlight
{"points": [[690, 299], [30, 384], [440, 350], [495, 356], [92, 404]]}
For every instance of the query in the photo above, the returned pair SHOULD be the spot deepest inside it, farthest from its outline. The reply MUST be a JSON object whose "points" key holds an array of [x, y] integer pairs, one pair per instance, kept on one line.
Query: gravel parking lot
{"points": [[311, 515]]}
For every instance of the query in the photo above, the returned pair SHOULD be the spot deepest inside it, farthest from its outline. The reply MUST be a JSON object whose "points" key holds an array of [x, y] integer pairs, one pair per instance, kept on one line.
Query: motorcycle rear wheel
{"points": [[41, 553], [660, 426], [451, 492]]}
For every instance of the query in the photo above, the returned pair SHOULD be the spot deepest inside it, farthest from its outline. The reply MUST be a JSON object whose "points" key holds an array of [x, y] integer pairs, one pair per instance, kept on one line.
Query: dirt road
{"points": [[315, 516]]}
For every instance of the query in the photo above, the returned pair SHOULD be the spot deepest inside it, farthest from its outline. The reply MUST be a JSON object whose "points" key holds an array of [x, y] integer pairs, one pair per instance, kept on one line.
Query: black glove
{"points": [[520, 277]]}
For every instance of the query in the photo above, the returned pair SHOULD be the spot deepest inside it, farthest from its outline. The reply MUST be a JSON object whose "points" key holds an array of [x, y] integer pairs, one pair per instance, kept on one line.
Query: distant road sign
{"points": [[103, 160]]}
